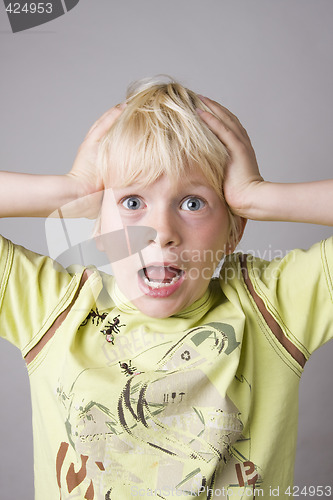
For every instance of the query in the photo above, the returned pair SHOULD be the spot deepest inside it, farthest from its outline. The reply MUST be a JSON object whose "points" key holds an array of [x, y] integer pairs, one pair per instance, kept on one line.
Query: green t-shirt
{"points": [[202, 404]]}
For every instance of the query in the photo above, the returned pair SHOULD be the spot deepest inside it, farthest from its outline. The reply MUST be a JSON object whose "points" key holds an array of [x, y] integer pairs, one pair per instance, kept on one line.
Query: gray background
{"points": [[269, 61]]}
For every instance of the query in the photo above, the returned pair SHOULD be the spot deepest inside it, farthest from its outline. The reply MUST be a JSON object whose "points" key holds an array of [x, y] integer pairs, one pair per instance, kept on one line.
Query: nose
{"points": [[165, 223]]}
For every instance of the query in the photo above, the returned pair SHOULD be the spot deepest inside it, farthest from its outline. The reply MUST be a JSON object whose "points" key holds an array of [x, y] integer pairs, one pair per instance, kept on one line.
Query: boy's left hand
{"points": [[242, 176]]}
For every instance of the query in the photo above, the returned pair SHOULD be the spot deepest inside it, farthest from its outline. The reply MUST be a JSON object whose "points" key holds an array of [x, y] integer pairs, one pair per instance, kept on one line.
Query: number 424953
{"points": [[29, 8], [311, 491]]}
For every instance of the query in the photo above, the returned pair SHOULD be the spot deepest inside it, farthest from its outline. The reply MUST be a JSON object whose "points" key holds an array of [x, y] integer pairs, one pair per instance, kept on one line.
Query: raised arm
{"points": [[27, 195], [249, 195]]}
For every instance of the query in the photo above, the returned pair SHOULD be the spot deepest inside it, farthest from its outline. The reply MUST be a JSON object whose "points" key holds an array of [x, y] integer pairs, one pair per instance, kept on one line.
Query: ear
{"points": [[230, 247]]}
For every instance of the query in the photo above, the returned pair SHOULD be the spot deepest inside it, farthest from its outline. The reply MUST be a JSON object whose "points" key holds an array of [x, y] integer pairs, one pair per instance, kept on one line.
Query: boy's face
{"points": [[192, 228]]}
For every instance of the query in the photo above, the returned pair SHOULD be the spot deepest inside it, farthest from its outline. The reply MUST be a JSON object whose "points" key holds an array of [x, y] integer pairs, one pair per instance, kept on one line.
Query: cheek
{"points": [[110, 216], [214, 233]]}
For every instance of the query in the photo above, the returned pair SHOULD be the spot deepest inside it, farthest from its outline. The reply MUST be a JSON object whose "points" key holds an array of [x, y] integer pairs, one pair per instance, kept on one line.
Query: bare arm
{"points": [[26, 195], [249, 195], [310, 202]]}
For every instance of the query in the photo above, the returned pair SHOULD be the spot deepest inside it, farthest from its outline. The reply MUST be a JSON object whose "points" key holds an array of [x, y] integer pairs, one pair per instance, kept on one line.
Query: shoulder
{"points": [[310, 264], [297, 290], [35, 290]]}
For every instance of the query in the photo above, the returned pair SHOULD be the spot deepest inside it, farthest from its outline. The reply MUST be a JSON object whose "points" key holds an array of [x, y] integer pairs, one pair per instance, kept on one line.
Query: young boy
{"points": [[161, 381]]}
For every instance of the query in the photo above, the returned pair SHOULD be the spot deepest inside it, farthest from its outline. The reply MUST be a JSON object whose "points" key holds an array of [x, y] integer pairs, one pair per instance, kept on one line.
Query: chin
{"points": [[158, 308]]}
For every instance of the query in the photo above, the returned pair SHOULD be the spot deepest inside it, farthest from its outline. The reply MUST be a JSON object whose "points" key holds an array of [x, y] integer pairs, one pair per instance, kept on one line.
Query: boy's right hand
{"points": [[76, 194], [84, 173]]}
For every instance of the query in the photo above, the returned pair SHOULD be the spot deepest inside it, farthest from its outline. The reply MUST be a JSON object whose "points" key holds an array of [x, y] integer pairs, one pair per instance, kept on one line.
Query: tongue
{"points": [[161, 273]]}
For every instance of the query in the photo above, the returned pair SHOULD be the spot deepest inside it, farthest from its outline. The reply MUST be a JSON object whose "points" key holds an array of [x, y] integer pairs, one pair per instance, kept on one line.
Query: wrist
{"points": [[81, 199], [309, 202], [247, 202], [74, 187]]}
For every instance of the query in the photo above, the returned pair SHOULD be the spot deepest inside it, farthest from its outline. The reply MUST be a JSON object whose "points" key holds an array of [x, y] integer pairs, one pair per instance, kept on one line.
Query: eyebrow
{"points": [[135, 187], [198, 184]]}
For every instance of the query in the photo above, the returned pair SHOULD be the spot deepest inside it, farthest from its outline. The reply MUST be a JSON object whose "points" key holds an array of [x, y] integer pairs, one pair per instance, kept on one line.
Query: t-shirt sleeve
{"points": [[298, 291], [34, 290]]}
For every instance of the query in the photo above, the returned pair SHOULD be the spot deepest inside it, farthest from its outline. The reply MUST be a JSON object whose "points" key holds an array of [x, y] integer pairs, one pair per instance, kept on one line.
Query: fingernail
{"points": [[201, 96], [199, 111], [122, 105]]}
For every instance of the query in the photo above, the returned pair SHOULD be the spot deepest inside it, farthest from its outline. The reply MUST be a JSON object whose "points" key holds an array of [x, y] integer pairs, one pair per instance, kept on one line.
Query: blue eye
{"points": [[193, 204], [132, 203]]}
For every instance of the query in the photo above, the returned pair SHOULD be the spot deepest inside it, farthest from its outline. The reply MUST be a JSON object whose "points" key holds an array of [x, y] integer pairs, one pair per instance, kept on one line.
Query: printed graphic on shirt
{"points": [[166, 429], [95, 316]]}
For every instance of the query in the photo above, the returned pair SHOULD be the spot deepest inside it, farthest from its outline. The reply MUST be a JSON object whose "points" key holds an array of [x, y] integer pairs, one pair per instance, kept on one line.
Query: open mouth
{"points": [[160, 276], [160, 281]]}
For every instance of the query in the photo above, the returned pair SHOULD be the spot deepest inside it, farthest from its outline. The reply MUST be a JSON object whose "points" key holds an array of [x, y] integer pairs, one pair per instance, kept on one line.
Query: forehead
{"points": [[175, 181], [189, 177]]}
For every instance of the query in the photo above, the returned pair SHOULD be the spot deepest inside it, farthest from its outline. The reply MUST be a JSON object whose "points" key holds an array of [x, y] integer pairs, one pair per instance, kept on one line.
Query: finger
{"points": [[104, 122], [217, 108], [223, 132], [121, 106], [102, 125], [225, 115]]}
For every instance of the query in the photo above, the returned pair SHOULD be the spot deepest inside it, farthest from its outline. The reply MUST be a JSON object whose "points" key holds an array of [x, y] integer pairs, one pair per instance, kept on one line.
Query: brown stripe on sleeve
{"points": [[271, 322], [51, 331]]}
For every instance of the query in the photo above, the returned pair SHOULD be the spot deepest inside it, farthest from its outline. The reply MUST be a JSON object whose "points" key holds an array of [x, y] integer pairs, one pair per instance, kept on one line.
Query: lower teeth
{"points": [[159, 284]]}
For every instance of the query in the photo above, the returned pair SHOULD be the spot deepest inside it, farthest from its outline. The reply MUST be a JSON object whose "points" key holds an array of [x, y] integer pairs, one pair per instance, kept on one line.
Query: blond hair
{"points": [[160, 132]]}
